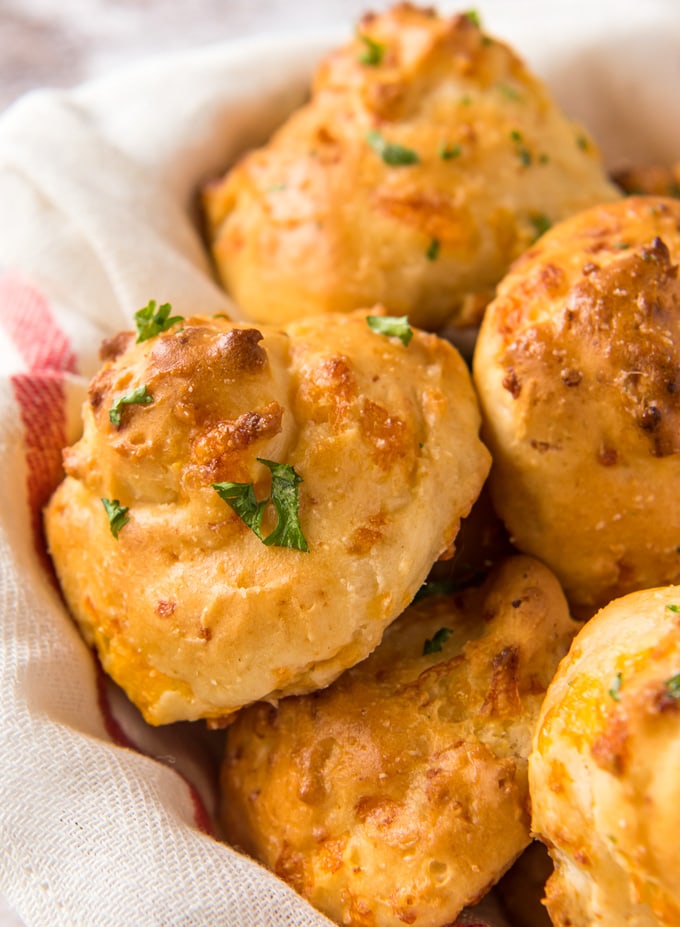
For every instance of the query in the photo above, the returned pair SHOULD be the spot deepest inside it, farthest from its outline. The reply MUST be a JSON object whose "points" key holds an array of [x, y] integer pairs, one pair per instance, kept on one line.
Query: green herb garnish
{"points": [[673, 608], [541, 223], [373, 53], [582, 142], [449, 152], [391, 325], [615, 688], [510, 92], [432, 252], [673, 686], [473, 17], [435, 643], [117, 515], [138, 397], [150, 321], [283, 496], [521, 149], [391, 153]]}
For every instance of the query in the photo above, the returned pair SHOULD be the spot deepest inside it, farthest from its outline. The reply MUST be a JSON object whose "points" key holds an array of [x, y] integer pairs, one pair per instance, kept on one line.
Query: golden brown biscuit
{"points": [[604, 768], [577, 366], [192, 614], [655, 179], [399, 794], [427, 160]]}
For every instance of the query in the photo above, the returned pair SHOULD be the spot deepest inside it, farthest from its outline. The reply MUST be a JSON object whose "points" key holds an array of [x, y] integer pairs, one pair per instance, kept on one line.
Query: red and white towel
{"points": [[105, 822]]}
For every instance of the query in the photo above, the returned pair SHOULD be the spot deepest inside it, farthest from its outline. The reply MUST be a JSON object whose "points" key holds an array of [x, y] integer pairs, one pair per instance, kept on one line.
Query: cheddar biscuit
{"points": [[577, 366], [604, 768], [248, 509], [426, 160], [399, 794]]}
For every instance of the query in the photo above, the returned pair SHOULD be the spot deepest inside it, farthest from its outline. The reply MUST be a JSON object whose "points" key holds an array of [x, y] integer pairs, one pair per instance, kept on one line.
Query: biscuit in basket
{"points": [[399, 794], [247, 510], [427, 159], [577, 366], [604, 768]]}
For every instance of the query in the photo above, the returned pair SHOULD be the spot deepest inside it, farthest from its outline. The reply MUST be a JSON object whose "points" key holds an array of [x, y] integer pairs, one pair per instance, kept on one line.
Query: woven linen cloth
{"points": [[105, 822]]}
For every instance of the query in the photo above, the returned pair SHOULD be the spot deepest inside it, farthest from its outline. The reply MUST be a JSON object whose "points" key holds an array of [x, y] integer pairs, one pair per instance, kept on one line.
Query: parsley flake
{"points": [[432, 252], [473, 18], [117, 515], [285, 499], [673, 608], [541, 223], [673, 686], [449, 152], [391, 153], [138, 397], [394, 326], [373, 53], [615, 688], [521, 149], [435, 643], [510, 92], [151, 321], [582, 142]]}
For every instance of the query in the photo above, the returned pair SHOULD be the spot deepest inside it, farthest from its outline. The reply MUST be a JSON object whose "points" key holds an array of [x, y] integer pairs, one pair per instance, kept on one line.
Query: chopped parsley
{"points": [[285, 499], [138, 397], [435, 643], [473, 17], [117, 515], [540, 222], [394, 326], [449, 152], [615, 688], [432, 252], [150, 321], [391, 153], [673, 686], [373, 53], [673, 608], [510, 92], [521, 149]]}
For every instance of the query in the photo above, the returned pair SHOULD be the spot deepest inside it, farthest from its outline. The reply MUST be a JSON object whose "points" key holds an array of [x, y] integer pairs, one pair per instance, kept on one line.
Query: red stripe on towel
{"points": [[26, 316]]}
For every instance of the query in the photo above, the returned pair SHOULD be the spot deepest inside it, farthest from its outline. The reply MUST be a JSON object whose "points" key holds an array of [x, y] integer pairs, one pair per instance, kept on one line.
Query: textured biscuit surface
{"points": [[577, 366], [191, 613], [604, 768], [399, 794], [427, 159]]}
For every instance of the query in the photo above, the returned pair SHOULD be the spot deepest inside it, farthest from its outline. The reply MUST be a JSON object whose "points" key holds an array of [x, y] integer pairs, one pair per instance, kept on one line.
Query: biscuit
{"points": [[577, 367], [427, 159], [191, 613], [399, 794], [604, 768]]}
